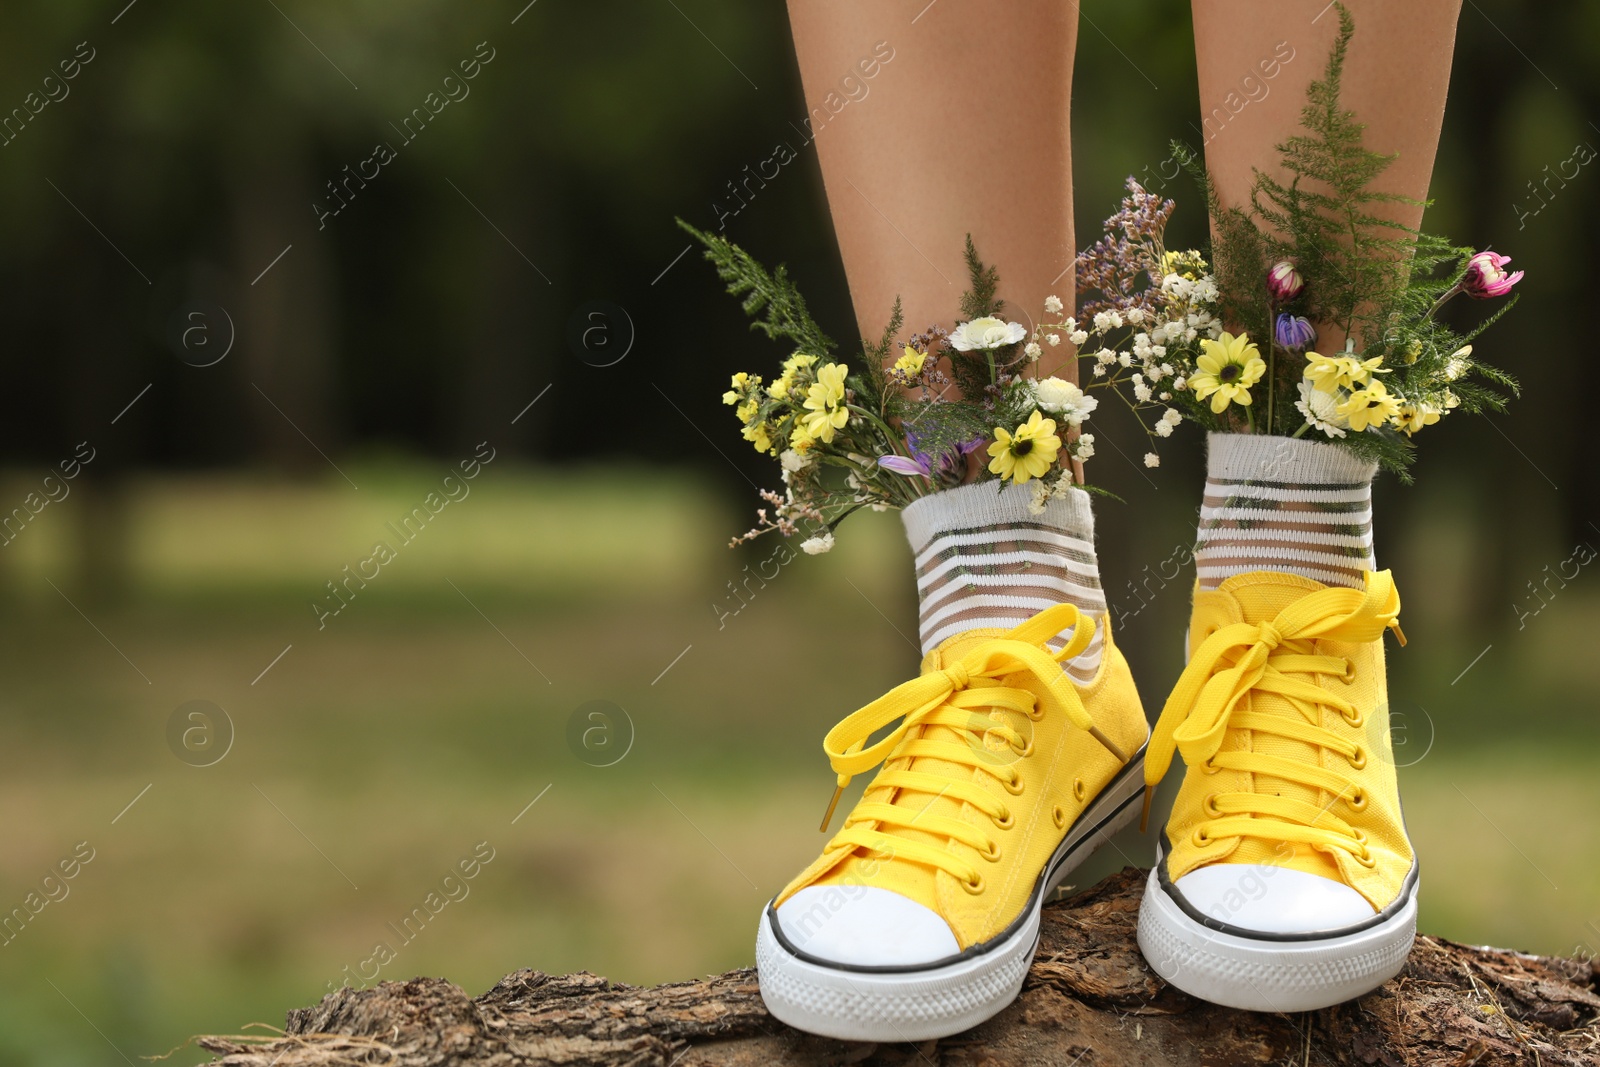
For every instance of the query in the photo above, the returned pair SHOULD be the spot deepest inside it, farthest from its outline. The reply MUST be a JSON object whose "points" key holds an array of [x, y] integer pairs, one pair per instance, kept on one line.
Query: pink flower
{"points": [[1486, 277], [1285, 281]]}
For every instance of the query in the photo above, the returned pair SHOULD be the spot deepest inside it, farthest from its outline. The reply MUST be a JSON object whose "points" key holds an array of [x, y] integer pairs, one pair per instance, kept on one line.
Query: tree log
{"points": [[1089, 999]]}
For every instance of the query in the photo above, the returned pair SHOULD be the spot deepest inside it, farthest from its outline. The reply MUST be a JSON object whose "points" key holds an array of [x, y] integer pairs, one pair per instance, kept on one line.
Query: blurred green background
{"points": [[179, 174]]}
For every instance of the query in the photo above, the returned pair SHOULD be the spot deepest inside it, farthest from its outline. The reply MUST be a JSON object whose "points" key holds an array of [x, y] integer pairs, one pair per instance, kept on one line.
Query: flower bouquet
{"points": [[902, 418]]}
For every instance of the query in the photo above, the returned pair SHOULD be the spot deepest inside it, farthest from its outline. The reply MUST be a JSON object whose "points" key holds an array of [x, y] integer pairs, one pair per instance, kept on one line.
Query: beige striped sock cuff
{"points": [[984, 559], [1282, 504]]}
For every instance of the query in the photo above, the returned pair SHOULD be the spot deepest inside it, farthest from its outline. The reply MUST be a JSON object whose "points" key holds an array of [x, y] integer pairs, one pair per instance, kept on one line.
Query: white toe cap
{"points": [[1272, 900], [864, 926]]}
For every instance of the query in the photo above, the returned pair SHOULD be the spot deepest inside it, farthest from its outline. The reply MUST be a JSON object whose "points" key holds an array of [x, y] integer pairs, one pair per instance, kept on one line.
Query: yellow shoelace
{"points": [[1275, 657], [957, 697]]}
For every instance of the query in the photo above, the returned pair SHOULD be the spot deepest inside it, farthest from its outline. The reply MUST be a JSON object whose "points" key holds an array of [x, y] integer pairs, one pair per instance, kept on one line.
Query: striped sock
{"points": [[1281, 504], [983, 559]]}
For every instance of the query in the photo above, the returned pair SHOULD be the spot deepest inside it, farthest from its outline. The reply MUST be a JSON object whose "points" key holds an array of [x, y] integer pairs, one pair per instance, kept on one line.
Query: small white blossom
{"points": [[1084, 447], [1031, 350], [817, 545], [1041, 494], [1136, 315], [1181, 384], [1053, 338], [1172, 416], [1099, 370], [1163, 430], [1053, 305], [1142, 392], [1105, 357], [794, 461], [1152, 460], [1125, 359]]}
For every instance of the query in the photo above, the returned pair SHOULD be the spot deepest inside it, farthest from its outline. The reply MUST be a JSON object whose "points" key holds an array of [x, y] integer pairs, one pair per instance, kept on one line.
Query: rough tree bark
{"points": [[1090, 999]]}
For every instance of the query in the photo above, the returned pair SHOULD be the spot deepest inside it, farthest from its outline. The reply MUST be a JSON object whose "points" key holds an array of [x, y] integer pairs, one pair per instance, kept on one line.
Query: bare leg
{"points": [[1394, 80], [965, 130]]}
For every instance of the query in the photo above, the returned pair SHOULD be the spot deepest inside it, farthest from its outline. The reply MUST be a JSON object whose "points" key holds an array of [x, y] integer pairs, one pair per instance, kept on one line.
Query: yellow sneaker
{"points": [[921, 916], [1284, 880]]}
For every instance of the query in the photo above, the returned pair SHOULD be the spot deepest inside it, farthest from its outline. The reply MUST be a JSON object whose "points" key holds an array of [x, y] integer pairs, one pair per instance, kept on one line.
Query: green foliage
{"points": [[1354, 261], [1238, 254], [874, 383], [774, 294], [979, 300], [1378, 281]]}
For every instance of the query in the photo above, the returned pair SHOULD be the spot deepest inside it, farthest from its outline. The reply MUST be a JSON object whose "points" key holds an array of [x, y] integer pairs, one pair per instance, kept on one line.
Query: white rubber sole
{"points": [[936, 1001], [1265, 975]]}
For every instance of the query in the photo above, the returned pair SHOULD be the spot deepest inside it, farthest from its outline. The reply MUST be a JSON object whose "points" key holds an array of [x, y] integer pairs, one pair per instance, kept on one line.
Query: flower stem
{"points": [[1439, 303]]}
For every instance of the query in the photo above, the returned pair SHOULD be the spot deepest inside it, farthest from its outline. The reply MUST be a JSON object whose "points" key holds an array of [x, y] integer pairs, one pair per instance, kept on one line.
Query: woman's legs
{"points": [[965, 131], [1395, 77], [1272, 505], [1290, 828]]}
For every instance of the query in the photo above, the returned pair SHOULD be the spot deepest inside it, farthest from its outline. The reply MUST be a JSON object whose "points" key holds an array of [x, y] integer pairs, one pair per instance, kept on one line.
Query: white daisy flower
{"points": [[985, 333], [1321, 410]]}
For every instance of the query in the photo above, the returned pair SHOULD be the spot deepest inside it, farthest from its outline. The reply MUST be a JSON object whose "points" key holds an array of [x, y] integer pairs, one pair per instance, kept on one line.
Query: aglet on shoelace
{"points": [[917, 702], [1273, 657]]}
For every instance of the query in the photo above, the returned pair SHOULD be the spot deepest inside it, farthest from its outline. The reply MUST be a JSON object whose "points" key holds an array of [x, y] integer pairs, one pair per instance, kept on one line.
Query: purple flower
{"points": [[1295, 332], [922, 465], [919, 463], [1285, 281], [1486, 277]]}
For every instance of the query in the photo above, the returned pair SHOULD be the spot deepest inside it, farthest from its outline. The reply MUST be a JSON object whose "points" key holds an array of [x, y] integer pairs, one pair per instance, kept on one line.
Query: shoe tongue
{"points": [[1261, 596], [906, 877]]}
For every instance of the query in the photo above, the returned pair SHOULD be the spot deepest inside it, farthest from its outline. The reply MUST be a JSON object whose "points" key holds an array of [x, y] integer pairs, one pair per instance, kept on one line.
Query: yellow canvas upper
{"points": [[1282, 718], [991, 762]]}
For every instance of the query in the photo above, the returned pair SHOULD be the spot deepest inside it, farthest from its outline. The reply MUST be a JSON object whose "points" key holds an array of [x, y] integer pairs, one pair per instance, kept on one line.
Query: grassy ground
{"points": [[420, 723]]}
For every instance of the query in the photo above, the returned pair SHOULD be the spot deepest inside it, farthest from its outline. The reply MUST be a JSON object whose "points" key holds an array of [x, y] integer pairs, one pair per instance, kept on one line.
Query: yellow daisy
{"points": [[1413, 417], [910, 362], [825, 402], [1329, 373], [1026, 453], [1227, 369], [1369, 407]]}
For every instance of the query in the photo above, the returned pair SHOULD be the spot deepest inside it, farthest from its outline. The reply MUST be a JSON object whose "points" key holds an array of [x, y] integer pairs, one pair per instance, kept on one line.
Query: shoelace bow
{"points": [[957, 697], [1275, 657]]}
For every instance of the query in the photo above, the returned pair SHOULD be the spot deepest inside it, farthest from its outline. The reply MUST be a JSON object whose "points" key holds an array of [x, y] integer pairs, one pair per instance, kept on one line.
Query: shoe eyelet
{"points": [[1014, 786], [1035, 713], [1357, 800], [1365, 856], [1006, 821], [975, 886], [1349, 674], [1058, 816], [1209, 768], [993, 853], [1356, 721], [1079, 790], [1210, 806], [1026, 750], [1200, 838], [1359, 760]]}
